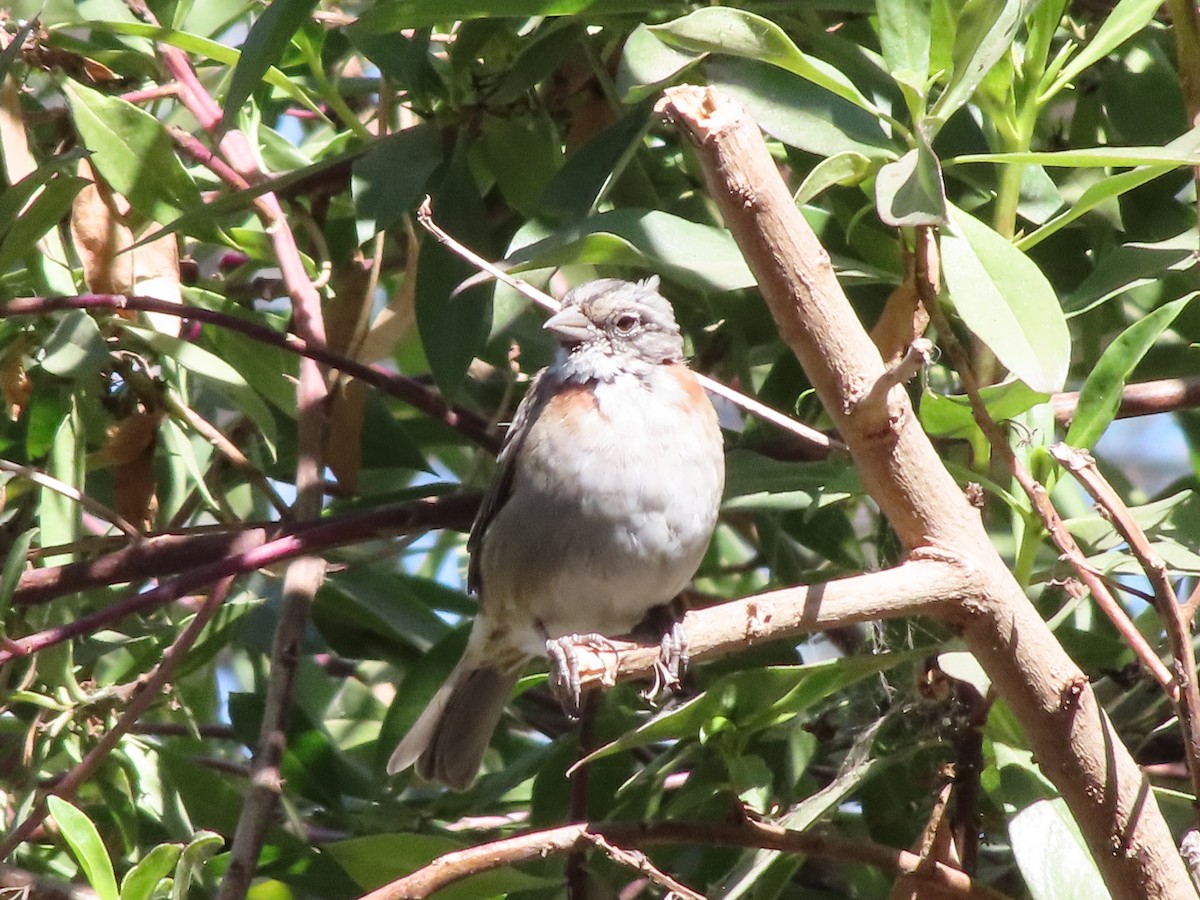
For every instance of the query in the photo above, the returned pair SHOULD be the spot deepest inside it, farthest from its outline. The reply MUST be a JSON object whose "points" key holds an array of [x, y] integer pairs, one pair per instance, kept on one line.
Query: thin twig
{"points": [[640, 862], [454, 867], [420, 397], [549, 304], [1178, 628], [168, 554], [150, 94], [95, 507], [149, 689], [312, 538]]}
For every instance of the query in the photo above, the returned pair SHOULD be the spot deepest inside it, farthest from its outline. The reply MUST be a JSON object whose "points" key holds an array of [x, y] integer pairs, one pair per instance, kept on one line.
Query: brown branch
{"points": [[921, 586], [1146, 398], [1179, 632], [418, 396], [149, 689], [454, 867], [169, 554], [1068, 732]]}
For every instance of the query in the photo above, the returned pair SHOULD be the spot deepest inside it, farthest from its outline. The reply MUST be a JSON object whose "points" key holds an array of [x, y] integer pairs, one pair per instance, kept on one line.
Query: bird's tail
{"points": [[448, 740]]}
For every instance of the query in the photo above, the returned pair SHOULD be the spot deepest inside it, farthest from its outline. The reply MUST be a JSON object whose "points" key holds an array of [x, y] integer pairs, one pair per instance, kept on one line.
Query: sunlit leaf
{"points": [[1004, 298], [1052, 855], [264, 45], [75, 348], [134, 153], [738, 32], [697, 255], [86, 845], [143, 879], [1100, 396]]}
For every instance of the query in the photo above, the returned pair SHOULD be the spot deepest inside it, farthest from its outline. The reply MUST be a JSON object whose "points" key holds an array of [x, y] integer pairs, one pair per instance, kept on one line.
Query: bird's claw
{"points": [[567, 671], [672, 661]]}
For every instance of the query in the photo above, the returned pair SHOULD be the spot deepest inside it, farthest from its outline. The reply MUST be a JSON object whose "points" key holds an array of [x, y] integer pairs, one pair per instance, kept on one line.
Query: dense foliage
{"points": [[1049, 144]]}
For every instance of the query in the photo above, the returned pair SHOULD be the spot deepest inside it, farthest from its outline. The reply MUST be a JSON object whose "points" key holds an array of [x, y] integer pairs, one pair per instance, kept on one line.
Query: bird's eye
{"points": [[627, 323]]}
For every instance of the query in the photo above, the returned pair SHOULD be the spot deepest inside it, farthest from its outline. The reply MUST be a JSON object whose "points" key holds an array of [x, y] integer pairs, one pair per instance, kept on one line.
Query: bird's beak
{"points": [[569, 325]]}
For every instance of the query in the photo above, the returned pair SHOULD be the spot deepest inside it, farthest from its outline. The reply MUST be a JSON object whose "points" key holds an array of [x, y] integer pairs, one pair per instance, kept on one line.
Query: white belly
{"points": [[596, 533]]}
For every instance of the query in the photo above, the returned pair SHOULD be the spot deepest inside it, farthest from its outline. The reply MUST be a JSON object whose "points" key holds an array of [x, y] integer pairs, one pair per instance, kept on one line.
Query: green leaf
{"points": [[142, 880], [39, 218], [904, 39], [375, 860], [177, 444], [134, 153], [212, 369], [76, 348], [15, 198], [453, 327], [203, 846], [700, 256], [1006, 301], [589, 172], [984, 33], [86, 846], [15, 44], [14, 565], [950, 415], [849, 167], [1109, 188], [746, 876], [1173, 516], [390, 179], [797, 112], [206, 49], [1130, 266], [522, 154], [647, 63], [1091, 157], [1186, 147], [1101, 393], [736, 32], [754, 481], [1125, 20], [373, 608], [756, 699], [910, 191], [398, 14], [262, 49], [1052, 855]]}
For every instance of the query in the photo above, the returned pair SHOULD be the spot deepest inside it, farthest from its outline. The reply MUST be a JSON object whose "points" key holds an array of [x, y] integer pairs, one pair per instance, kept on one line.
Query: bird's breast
{"points": [[614, 498]]}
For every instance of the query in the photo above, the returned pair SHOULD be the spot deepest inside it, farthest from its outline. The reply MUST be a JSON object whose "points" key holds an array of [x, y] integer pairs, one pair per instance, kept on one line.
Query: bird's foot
{"points": [[574, 656], [669, 668]]}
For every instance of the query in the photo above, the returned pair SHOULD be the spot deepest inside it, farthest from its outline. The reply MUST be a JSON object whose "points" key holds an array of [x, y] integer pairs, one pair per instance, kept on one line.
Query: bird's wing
{"points": [[499, 490]]}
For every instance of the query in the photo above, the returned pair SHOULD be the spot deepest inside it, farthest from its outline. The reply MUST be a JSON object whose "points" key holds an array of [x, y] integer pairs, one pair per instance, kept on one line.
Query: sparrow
{"points": [[604, 500]]}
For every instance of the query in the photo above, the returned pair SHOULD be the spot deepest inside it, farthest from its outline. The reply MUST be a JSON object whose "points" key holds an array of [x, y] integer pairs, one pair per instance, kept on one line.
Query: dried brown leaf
{"points": [[100, 231], [16, 386], [125, 440]]}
